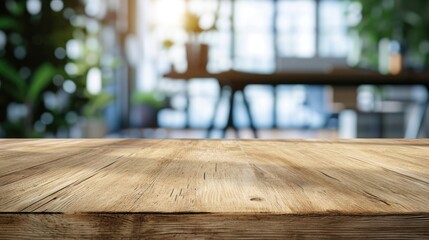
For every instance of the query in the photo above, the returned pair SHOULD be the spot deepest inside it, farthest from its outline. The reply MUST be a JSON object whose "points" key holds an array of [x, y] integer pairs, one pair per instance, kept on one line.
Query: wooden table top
{"points": [[337, 77], [215, 177]]}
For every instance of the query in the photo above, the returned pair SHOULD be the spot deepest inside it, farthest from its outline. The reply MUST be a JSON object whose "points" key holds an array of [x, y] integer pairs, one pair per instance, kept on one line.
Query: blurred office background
{"points": [[100, 68]]}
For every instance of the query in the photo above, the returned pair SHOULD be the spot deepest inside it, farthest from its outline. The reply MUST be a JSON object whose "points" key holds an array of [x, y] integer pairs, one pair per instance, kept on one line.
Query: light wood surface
{"points": [[312, 186]]}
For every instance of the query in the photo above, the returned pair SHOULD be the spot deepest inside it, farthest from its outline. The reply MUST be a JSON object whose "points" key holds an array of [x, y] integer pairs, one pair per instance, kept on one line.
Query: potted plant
{"points": [[197, 53], [147, 106], [399, 23], [38, 95], [94, 125]]}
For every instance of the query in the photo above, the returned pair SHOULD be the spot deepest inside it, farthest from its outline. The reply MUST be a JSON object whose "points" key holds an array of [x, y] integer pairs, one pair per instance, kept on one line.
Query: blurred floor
{"points": [[245, 133]]}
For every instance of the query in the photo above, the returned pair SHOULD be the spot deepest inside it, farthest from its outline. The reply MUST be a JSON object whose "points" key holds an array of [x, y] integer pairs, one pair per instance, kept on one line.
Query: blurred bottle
{"points": [[384, 56], [396, 58], [391, 55]]}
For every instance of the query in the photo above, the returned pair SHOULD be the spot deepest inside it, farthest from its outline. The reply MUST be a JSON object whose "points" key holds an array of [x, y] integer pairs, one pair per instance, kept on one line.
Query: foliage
{"points": [[167, 44], [402, 20], [156, 100], [41, 84], [41, 78], [96, 105], [192, 23]]}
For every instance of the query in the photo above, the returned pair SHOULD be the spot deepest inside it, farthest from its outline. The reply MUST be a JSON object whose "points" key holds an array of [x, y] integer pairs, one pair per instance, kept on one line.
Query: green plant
{"points": [[96, 104], [402, 20], [167, 44], [192, 23], [33, 57], [44, 62], [155, 99]]}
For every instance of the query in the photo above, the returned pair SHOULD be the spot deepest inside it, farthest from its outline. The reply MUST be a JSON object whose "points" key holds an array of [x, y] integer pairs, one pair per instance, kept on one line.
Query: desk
{"points": [[214, 189], [237, 81]]}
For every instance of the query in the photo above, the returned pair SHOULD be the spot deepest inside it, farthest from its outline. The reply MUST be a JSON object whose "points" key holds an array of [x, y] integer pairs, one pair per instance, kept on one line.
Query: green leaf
{"points": [[17, 8], [154, 99], [41, 78], [97, 104], [7, 23], [10, 74]]}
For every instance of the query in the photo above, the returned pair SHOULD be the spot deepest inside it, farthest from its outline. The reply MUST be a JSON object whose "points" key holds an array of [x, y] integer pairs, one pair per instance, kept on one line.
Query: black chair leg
{"points": [[230, 123], [422, 121], [275, 105], [249, 114], [215, 113]]}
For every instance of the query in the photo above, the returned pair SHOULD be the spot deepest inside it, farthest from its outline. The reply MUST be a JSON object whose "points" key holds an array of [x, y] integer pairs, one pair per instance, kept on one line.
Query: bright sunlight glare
{"points": [[169, 13]]}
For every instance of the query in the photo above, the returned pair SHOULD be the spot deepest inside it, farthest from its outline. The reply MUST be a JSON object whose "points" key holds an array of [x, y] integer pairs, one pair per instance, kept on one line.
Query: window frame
{"points": [[289, 63]]}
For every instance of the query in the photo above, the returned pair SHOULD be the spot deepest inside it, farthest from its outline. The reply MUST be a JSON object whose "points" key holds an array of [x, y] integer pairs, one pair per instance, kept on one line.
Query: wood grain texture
{"points": [[211, 226], [328, 183]]}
